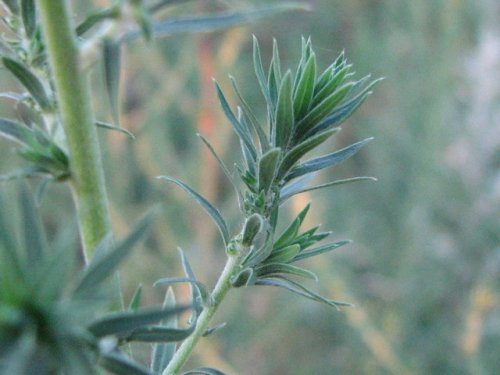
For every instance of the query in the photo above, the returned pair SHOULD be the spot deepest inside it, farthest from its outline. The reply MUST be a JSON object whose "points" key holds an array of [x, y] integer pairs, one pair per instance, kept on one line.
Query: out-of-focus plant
{"points": [[54, 322]]}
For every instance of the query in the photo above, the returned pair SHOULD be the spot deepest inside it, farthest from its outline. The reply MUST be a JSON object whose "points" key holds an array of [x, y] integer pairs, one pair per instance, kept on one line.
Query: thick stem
{"points": [[73, 98], [221, 288]]}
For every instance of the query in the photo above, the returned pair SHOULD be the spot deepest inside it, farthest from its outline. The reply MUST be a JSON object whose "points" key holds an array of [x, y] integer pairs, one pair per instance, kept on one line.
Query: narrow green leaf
{"points": [[125, 322], [28, 14], [120, 365], [16, 132], [159, 334], [299, 289], [204, 293], [112, 68], [222, 165], [108, 126], [242, 131], [107, 263], [34, 235], [329, 160], [203, 371], [288, 234], [215, 21], [259, 72], [305, 88], [162, 354], [97, 16], [319, 250], [207, 206], [268, 167], [284, 254], [196, 293], [135, 301], [252, 227], [263, 141], [284, 112], [245, 277], [332, 85], [322, 110], [297, 152], [290, 194], [214, 329], [29, 81], [273, 269]]}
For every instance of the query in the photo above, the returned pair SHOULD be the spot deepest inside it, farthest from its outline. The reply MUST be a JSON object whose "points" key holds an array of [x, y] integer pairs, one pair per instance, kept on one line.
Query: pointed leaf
{"points": [[107, 263], [284, 112], [207, 206], [284, 254], [119, 364], [332, 84], [162, 353], [319, 250], [29, 81], [273, 269], [216, 21], [135, 301], [16, 132], [242, 131], [96, 17], [28, 14], [111, 58], [125, 322], [305, 88], [326, 161], [296, 153], [108, 126], [203, 371], [245, 277], [284, 197], [204, 293], [288, 234], [160, 334], [196, 293], [214, 329], [268, 167], [259, 72]]}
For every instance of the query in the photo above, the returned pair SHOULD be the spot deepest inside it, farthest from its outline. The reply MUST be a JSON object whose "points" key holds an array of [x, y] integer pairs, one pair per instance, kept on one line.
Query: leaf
{"points": [[111, 58], [124, 322], [219, 160], [34, 235], [28, 14], [323, 109], [284, 254], [135, 301], [319, 250], [159, 334], [162, 353], [305, 88], [245, 277], [204, 293], [296, 153], [97, 16], [30, 171], [268, 167], [108, 126], [214, 329], [204, 371], [242, 132], [272, 269], [331, 85], [284, 112], [16, 132], [105, 265], [299, 289], [13, 5], [215, 21], [121, 365], [207, 206], [284, 197], [288, 234], [292, 188], [29, 81], [263, 141], [252, 227], [20, 356], [261, 78], [329, 160], [196, 293]]}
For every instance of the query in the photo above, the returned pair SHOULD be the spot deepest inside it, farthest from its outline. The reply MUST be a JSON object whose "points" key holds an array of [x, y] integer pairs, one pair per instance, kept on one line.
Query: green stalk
{"points": [[73, 98], [221, 288]]}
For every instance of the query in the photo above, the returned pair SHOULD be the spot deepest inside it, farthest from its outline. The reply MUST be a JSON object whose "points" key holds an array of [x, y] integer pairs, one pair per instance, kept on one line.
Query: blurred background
{"points": [[423, 270]]}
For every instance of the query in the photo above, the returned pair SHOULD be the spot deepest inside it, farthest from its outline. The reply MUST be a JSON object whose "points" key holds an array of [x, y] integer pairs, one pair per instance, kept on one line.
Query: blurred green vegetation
{"points": [[423, 270]]}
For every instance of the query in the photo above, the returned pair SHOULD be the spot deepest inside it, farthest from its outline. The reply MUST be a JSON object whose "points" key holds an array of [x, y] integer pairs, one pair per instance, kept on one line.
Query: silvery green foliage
{"points": [[304, 109]]}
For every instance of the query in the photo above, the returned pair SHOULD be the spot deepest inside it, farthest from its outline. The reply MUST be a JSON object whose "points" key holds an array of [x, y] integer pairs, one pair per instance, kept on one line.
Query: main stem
{"points": [[73, 100], [221, 288]]}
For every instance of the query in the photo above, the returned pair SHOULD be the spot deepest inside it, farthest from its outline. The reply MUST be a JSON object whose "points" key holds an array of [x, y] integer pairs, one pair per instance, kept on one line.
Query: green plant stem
{"points": [[73, 98], [220, 290]]}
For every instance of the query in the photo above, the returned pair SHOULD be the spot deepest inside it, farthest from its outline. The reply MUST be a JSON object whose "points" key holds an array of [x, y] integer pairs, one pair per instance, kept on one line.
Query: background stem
{"points": [[73, 98]]}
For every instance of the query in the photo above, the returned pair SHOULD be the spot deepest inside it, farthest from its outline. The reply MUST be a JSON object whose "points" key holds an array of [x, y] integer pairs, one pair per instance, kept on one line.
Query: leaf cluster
{"points": [[52, 321]]}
